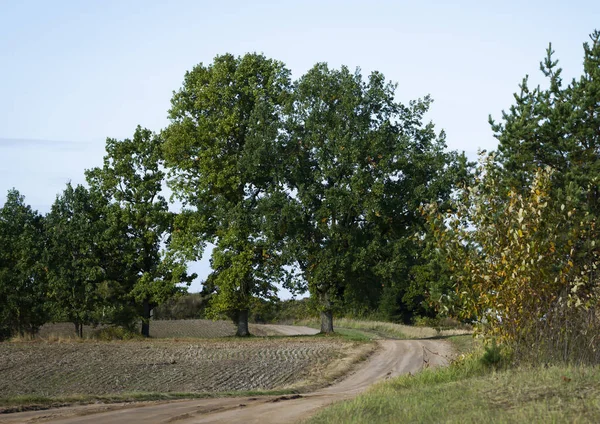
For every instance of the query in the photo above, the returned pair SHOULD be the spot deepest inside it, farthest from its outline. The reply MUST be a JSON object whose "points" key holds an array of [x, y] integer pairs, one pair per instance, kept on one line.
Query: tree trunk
{"points": [[146, 318], [79, 329], [242, 324], [327, 321], [326, 314]]}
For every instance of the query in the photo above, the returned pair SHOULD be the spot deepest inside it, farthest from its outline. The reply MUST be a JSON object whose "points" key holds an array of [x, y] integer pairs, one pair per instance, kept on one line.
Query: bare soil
{"points": [[52, 369]]}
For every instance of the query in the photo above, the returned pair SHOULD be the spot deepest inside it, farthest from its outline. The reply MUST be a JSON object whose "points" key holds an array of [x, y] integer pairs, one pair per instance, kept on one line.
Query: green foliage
{"points": [[75, 235], [132, 179], [521, 240], [115, 333], [555, 126], [293, 310], [185, 306], [23, 279], [359, 164], [220, 148], [512, 254], [492, 355]]}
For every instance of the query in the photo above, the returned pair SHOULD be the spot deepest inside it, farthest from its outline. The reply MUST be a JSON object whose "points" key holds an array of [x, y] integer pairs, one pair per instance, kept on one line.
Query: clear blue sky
{"points": [[75, 72]]}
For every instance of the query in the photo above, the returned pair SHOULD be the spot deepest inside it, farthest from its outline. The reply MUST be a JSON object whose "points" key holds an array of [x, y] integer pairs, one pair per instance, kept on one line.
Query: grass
{"points": [[464, 344], [470, 392], [556, 394], [385, 329], [33, 402], [351, 334]]}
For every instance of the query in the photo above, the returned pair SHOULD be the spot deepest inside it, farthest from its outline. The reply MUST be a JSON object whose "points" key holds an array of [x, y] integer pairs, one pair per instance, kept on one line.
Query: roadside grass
{"points": [[35, 402], [351, 334], [468, 391], [555, 394], [464, 343], [386, 329]]}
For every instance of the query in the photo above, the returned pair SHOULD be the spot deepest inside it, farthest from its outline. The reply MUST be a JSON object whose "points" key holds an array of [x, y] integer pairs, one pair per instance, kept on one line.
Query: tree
{"points": [[132, 177], [359, 164], [221, 149], [23, 283], [74, 231], [512, 254], [557, 127]]}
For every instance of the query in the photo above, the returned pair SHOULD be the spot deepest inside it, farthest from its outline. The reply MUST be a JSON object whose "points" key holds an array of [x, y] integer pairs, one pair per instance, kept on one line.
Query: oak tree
{"points": [[221, 149]]}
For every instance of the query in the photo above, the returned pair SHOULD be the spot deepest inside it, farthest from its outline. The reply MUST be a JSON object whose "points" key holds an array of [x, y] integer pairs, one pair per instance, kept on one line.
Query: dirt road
{"points": [[394, 357], [289, 330]]}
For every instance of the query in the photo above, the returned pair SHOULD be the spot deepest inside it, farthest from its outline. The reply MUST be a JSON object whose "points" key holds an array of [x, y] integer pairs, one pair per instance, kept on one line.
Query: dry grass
{"points": [[389, 330], [161, 329]]}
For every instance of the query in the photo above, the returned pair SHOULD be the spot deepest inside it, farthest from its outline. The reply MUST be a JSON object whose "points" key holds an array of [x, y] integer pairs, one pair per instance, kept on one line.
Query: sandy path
{"points": [[290, 330], [394, 357]]}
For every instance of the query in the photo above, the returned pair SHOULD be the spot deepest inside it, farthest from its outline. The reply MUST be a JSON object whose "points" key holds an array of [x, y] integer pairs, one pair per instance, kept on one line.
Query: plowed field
{"points": [[55, 369]]}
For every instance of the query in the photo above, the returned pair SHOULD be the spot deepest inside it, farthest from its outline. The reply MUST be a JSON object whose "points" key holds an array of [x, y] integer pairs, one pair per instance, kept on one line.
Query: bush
{"points": [[115, 333], [492, 355], [188, 306]]}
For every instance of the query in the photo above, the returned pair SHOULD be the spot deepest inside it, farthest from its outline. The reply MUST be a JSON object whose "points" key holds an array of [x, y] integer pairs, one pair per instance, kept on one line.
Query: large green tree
{"points": [[23, 280], [359, 164], [75, 238], [132, 178], [221, 147]]}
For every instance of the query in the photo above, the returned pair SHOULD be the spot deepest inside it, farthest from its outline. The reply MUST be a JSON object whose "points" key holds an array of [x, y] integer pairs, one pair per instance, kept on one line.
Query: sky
{"points": [[73, 73]]}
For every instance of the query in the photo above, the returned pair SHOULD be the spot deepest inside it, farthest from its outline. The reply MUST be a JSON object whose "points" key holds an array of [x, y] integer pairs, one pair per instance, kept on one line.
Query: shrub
{"points": [[115, 333]]}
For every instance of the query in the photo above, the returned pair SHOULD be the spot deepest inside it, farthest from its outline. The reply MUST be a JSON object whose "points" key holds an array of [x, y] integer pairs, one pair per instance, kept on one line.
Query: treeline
{"points": [[262, 311], [328, 184], [312, 184], [98, 256]]}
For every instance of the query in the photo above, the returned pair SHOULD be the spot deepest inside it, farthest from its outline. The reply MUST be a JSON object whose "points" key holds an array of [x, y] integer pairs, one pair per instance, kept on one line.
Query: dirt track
{"points": [[290, 330], [394, 357]]}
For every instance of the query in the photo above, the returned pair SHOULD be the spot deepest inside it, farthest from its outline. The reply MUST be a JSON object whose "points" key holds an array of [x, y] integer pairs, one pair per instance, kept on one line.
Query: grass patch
{"points": [[470, 392], [387, 330], [33, 402], [464, 344], [383, 329], [351, 334]]}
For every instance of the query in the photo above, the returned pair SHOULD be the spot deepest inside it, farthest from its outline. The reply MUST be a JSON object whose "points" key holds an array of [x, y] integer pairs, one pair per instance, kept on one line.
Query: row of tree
{"points": [[314, 184], [96, 256], [321, 184]]}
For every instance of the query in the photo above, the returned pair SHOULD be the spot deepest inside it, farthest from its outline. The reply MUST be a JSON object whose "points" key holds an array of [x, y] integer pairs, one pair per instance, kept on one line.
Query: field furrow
{"points": [[44, 368]]}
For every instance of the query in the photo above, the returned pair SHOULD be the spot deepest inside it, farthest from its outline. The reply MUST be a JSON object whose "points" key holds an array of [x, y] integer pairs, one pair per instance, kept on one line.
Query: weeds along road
{"points": [[395, 357]]}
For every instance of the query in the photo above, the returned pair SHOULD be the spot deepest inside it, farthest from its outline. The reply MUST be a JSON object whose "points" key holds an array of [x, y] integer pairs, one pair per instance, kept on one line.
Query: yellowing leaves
{"points": [[510, 254]]}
